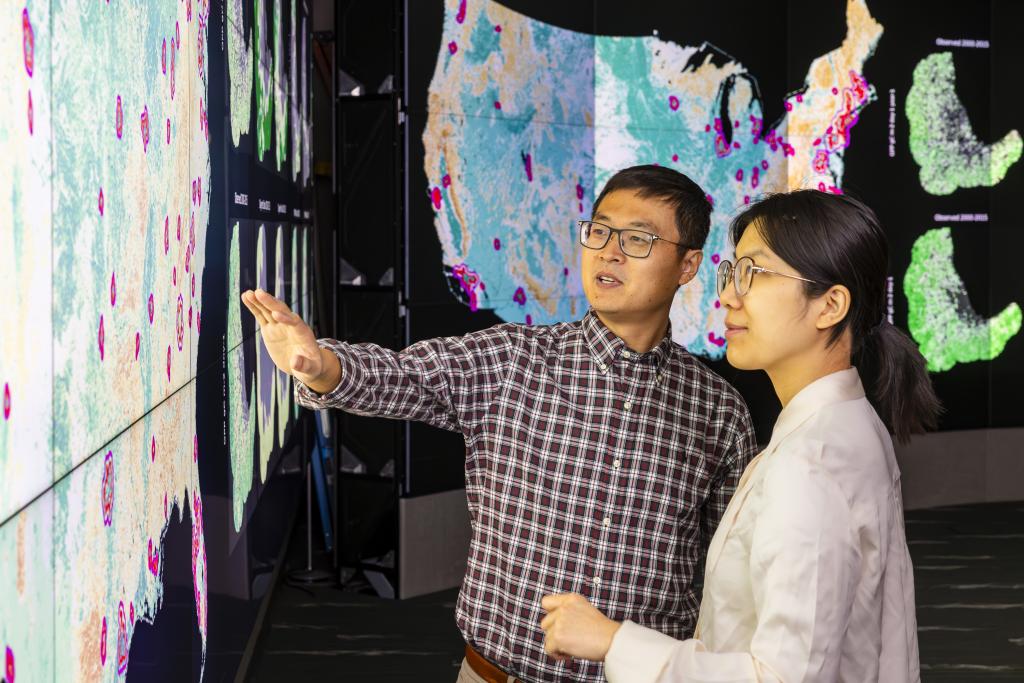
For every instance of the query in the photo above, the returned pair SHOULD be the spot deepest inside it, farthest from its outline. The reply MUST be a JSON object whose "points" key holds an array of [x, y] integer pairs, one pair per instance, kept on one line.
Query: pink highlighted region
{"points": [[107, 490]]}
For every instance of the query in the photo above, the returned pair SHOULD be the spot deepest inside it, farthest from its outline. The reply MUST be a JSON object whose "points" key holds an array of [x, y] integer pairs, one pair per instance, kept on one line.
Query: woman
{"points": [[808, 577]]}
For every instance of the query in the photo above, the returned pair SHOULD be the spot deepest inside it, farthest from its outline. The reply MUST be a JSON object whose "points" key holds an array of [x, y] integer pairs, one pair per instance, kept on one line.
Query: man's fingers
{"points": [[257, 311], [271, 303], [290, 319]]}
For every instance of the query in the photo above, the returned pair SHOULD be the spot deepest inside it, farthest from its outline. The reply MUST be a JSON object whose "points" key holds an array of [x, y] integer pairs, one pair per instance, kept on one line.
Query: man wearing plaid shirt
{"points": [[600, 454]]}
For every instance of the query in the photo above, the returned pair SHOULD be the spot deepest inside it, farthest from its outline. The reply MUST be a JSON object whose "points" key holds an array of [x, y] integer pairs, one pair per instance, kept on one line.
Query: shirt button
{"points": [[604, 368], [617, 464], [597, 580], [607, 521], [628, 405], [626, 354]]}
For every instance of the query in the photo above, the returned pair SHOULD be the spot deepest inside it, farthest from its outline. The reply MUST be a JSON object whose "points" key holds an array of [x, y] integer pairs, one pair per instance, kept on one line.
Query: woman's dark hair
{"points": [[837, 240], [693, 210]]}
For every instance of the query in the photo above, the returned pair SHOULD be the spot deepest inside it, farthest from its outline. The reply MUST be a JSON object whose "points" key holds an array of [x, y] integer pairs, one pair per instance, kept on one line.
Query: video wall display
{"points": [[157, 160], [522, 110]]}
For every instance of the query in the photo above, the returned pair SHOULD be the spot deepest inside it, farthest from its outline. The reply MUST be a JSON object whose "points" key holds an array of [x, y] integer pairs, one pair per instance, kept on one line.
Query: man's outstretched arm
{"points": [[447, 382]]}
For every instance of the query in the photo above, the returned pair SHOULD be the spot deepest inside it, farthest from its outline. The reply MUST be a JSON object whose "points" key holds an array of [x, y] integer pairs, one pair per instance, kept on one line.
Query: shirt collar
{"points": [[837, 387], [608, 348]]}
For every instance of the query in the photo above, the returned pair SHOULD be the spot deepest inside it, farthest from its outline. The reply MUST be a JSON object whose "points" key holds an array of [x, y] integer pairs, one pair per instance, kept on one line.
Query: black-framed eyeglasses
{"points": [[742, 275], [634, 243]]}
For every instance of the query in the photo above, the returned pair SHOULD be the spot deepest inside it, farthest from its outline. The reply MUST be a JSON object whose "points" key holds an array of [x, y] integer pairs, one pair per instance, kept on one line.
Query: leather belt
{"points": [[483, 668]]}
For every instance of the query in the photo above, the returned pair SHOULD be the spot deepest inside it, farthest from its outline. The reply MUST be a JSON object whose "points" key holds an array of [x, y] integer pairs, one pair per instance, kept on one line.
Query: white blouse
{"points": [[808, 576]]}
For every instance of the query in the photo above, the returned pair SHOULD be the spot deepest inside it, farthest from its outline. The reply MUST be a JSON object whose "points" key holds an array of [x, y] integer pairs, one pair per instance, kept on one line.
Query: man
{"points": [[600, 454]]}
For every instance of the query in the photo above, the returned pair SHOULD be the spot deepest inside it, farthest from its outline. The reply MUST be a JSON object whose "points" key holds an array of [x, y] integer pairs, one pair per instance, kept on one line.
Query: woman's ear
{"points": [[835, 305]]}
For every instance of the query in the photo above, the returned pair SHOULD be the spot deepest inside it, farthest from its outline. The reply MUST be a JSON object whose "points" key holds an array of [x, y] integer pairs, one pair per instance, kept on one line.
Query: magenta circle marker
{"points": [[167, 234], [835, 91], [190, 317], [9, 665], [739, 175], [113, 289], [497, 105], [100, 337], [673, 102], [180, 326], [715, 258], [174, 49], [107, 490], [764, 164], [453, 47], [119, 118], [165, 505], [520, 296], [188, 259], [163, 57], [179, 227], [168, 363], [529, 319], [675, 157], [799, 98], [28, 46], [497, 244], [103, 643], [150, 305], [168, 131], [718, 304], [131, 613], [193, 285], [711, 200], [460, 16], [7, 401], [122, 640], [195, 448], [152, 449], [497, 29], [31, 115], [99, 201], [435, 197], [789, 106], [174, 276], [138, 344], [144, 126]]}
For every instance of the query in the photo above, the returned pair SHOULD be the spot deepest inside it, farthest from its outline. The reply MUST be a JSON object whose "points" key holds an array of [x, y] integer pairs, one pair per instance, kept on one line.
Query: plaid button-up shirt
{"points": [[590, 468]]}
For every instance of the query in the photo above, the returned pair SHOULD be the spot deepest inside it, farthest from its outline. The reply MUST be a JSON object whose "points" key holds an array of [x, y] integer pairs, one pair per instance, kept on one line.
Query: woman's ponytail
{"points": [[898, 384]]}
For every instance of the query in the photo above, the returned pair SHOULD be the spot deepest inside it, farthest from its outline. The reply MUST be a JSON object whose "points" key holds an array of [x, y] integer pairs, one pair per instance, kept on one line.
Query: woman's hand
{"points": [[575, 628]]}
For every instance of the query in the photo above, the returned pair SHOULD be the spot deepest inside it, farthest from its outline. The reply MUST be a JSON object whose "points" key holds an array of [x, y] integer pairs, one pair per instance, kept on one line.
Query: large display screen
{"points": [[157, 162], [523, 110]]}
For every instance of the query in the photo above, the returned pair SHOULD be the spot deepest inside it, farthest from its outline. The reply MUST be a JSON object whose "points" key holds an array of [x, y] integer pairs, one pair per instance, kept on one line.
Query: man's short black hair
{"points": [[693, 210]]}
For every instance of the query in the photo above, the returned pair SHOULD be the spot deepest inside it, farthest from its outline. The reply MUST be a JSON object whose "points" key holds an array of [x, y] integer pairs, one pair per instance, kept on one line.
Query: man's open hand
{"points": [[291, 343]]}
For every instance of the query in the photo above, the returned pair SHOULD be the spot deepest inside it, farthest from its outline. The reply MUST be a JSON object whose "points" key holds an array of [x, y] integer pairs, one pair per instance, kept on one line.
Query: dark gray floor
{"points": [[969, 573]]}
